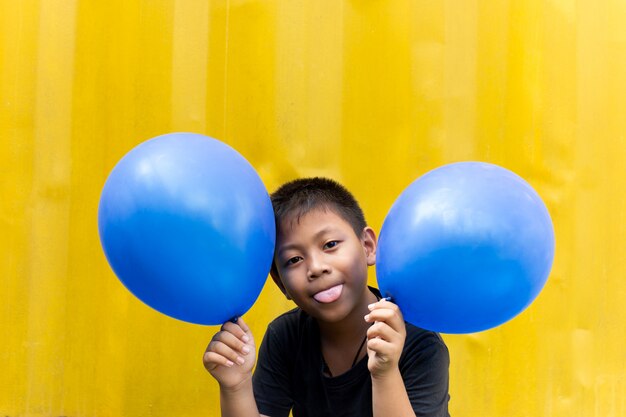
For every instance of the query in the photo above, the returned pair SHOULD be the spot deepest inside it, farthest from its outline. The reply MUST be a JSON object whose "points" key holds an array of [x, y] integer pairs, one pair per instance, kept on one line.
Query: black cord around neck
{"points": [[362, 343], [358, 352]]}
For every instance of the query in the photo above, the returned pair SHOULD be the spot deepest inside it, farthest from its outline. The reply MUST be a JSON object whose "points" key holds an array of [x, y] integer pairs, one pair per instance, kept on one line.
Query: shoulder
{"points": [[421, 336], [283, 342], [424, 346], [286, 318], [424, 366], [291, 319], [289, 327]]}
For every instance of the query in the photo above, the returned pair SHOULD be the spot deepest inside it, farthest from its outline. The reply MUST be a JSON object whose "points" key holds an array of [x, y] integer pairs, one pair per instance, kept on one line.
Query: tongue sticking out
{"points": [[329, 295]]}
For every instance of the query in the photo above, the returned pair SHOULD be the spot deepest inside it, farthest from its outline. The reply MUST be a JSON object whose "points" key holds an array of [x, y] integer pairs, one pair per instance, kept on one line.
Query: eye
{"points": [[293, 261], [331, 244]]}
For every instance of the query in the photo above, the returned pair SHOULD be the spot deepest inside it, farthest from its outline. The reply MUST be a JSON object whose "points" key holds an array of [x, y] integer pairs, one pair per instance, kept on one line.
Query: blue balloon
{"points": [[188, 227], [465, 248]]}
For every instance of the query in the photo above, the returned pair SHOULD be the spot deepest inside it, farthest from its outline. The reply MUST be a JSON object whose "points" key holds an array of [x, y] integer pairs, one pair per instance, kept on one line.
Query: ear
{"points": [[277, 281], [369, 242]]}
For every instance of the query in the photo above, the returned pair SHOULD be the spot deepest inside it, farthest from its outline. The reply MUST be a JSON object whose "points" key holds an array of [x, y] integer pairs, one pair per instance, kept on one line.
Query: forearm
{"points": [[239, 402], [389, 397]]}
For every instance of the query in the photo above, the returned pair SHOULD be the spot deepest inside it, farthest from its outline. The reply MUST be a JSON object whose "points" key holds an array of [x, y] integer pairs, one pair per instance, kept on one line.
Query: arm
{"points": [[384, 347], [424, 368], [239, 401], [389, 396], [229, 358]]}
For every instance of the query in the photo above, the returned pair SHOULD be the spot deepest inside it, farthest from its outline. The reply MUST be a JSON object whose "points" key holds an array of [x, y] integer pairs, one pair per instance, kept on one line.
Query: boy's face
{"points": [[322, 264]]}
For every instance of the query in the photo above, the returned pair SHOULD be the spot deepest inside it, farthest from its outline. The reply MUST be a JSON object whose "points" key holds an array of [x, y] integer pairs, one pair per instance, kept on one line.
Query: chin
{"points": [[330, 314]]}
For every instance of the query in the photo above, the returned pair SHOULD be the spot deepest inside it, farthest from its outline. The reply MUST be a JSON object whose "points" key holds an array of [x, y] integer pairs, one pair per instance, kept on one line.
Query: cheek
{"points": [[290, 279], [359, 266], [350, 266]]}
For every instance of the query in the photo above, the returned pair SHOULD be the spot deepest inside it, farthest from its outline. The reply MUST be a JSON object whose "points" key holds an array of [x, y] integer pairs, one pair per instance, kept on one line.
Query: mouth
{"points": [[330, 295]]}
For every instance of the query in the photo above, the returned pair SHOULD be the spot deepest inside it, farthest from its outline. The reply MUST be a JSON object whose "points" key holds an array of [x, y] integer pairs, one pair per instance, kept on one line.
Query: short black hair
{"points": [[296, 198]]}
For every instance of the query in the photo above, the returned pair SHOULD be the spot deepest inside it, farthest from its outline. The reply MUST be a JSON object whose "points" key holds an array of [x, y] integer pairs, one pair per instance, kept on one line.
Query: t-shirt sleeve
{"points": [[425, 371], [272, 376]]}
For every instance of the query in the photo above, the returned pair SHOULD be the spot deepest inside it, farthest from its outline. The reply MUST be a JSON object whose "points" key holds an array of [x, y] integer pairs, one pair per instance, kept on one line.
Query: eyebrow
{"points": [[322, 232]]}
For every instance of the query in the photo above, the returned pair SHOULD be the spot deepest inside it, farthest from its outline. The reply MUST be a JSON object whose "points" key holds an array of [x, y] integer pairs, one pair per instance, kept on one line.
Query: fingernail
{"points": [[240, 360], [371, 306], [367, 317], [245, 349], [229, 363], [245, 338]]}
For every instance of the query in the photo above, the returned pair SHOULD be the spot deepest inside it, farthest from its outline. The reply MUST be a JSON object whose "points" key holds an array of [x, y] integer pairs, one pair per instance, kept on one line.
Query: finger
{"points": [[391, 316], [232, 341], [226, 351], [236, 330], [383, 303], [246, 329], [382, 348], [243, 325], [212, 360], [383, 331], [381, 314]]}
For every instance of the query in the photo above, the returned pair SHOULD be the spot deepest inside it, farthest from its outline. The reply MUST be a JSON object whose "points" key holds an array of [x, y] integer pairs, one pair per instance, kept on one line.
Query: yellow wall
{"points": [[372, 93]]}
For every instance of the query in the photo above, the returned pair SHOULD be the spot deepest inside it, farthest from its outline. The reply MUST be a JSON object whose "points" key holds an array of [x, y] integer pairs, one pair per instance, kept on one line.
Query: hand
{"points": [[385, 338], [231, 354]]}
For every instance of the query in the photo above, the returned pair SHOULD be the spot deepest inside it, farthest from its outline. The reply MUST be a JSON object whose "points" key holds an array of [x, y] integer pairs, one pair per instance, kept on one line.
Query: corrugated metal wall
{"points": [[372, 93]]}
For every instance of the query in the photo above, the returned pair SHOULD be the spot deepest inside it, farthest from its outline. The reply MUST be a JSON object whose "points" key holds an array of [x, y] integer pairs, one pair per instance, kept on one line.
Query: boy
{"points": [[344, 351]]}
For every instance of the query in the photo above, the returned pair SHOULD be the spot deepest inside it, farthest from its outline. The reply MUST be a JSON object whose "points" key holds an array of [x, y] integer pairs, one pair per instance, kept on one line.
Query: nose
{"points": [[317, 266]]}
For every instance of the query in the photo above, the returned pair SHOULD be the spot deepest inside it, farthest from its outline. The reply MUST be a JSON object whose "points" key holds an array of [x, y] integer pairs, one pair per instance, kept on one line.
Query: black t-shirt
{"points": [[290, 373]]}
